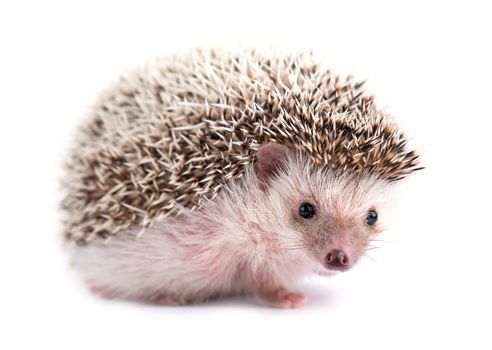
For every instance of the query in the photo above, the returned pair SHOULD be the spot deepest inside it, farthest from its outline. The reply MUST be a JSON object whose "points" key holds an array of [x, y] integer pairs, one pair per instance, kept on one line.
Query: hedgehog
{"points": [[218, 172]]}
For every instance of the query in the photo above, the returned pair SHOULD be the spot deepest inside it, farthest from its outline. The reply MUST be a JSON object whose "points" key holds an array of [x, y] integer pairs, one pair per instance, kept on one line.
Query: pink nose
{"points": [[337, 259]]}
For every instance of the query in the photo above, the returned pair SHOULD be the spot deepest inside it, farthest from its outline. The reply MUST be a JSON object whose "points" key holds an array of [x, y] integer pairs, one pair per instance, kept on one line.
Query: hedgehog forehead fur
{"points": [[170, 134]]}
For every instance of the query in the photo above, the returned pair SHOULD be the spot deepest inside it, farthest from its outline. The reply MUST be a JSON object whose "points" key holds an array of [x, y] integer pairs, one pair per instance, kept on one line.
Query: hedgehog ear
{"points": [[269, 161]]}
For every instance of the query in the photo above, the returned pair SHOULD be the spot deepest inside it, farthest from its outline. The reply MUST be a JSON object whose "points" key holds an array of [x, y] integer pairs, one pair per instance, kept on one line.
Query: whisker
{"points": [[296, 247], [370, 257], [383, 241]]}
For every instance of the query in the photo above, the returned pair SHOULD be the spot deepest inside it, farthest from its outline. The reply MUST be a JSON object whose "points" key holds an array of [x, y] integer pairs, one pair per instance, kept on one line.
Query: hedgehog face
{"points": [[336, 216], [333, 215]]}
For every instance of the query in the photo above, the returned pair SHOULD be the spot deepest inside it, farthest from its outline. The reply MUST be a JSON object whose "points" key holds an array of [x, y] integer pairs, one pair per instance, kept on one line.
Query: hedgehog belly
{"points": [[160, 266]]}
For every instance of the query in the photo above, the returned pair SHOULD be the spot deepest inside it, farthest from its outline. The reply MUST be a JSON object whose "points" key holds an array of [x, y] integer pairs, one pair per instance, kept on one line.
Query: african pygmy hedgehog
{"points": [[219, 172]]}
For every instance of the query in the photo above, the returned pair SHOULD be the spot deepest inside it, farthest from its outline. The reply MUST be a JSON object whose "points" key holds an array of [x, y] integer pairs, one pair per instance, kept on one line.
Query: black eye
{"points": [[306, 210], [372, 217]]}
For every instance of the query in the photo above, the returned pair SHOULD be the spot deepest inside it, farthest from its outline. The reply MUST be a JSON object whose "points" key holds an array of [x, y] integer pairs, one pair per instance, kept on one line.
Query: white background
{"points": [[429, 65]]}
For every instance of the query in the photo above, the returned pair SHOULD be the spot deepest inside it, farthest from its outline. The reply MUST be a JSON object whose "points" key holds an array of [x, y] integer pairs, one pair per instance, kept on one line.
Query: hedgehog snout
{"points": [[337, 259], [341, 253]]}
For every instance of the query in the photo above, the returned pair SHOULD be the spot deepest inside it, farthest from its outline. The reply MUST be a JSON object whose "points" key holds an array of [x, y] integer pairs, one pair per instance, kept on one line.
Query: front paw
{"points": [[282, 298]]}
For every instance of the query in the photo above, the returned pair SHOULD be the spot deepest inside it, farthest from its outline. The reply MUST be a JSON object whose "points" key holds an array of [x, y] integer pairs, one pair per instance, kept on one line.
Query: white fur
{"points": [[240, 241]]}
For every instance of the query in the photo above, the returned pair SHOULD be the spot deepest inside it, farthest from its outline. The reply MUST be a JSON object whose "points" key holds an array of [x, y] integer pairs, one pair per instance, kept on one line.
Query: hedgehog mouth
{"points": [[337, 268]]}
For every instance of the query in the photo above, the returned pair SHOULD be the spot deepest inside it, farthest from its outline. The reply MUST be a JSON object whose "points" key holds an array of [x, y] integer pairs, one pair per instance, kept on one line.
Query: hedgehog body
{"points": [[171, 140]]}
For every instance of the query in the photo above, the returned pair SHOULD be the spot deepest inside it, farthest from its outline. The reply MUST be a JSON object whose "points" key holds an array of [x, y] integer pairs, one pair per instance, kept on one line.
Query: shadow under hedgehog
{"points": [[218, 172]]}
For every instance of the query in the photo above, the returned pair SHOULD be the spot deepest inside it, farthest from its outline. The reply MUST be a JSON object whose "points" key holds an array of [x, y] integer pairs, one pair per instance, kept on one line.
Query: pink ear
{"points": [[269, 160]]}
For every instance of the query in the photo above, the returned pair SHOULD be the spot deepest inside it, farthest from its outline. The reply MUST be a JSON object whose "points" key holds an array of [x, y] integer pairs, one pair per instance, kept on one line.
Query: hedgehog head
{"points": [[331, 217]]}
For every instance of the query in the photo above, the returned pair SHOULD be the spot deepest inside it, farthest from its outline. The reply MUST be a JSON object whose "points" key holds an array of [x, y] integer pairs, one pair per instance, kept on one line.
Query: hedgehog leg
{"points": [[282, 298]]}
